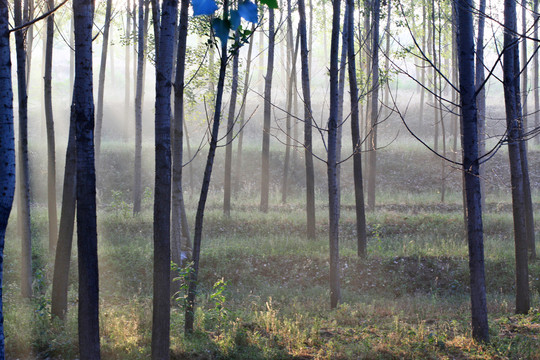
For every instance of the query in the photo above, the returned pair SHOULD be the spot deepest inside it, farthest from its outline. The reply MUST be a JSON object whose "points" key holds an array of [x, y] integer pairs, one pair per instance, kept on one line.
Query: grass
{"points": [[408, 299]]}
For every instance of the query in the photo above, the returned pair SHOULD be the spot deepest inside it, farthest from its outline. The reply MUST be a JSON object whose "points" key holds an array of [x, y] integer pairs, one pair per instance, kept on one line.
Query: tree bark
{"points": [[199, 217], [23, 172], [162, 188], [513, 121], [101, 84], [230, 127], [333, 191], [372, 155], [83, 116], [7, 149], [65, 234], [137, 186], [481, 96], [356, 140], [265, 171], [242, 117], [536, 73], [180, 238], [465, 45], [51, 154], [308, 120]]}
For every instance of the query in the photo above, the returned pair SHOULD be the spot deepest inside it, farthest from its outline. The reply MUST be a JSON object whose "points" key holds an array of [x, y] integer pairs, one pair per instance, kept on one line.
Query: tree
{"points": [[162, 189], [137, 187], [51, 154], [230, 128], [180, 229], [356, 141], [265, 171], [514, 131], [24, 171], [101, 83], [481, 97], [308, 116], [7, 149], [372, 155], [465, 44], [62, 258], [332, 165], [242, 116], [82, 114], [221, 27]]}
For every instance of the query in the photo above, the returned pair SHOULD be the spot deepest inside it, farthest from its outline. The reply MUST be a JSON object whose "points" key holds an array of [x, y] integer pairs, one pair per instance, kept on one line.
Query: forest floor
{"points": [[264, 290]]}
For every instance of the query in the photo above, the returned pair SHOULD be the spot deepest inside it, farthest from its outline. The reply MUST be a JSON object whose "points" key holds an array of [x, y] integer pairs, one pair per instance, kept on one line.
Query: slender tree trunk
{"points": [[423, 66], [230, 128], [481, 93], [127, 71], [387, 56], [265, 173], [341, 91], [529, 210], [65, 234], [310, 44], [51, 154], [243, 115], [291, 71], [308, 120], [536, 73], [101, 84], [162, 189], [333, 191], [356, 140], [24, 173], [372, 155], [190, 305], [83, 116], [180, 229], [7, 149], [72, 54], [470, 167], [29, 9], [137, 186], [524, 72], [513, 120]]}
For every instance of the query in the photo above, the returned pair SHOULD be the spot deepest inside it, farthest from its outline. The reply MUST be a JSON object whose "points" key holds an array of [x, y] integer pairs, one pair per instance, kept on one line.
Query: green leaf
{"points": [[270, 3]]}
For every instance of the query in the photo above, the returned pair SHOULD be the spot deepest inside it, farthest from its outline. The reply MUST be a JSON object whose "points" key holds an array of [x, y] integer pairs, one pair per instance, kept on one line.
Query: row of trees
{"points": [[170, 39]]}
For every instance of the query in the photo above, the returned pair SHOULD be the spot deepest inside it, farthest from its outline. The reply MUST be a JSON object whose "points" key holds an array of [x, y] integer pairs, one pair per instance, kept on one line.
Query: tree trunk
{"points": [[481, 93], [83, 116], [230, 128], [101, 84], [529, 209], [423, 67], [199, 217], [243, 114], [29, 9], [51, 154], [24, 173], [162, 188], [127, 72], [65, 234], [7, 148], [308, 120], [291, 74], [137, 186], [180, 229], [372, 155], [470, 168], [536, 73], [356, 140], [513, 121], [265, 173], [333, 191]]}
